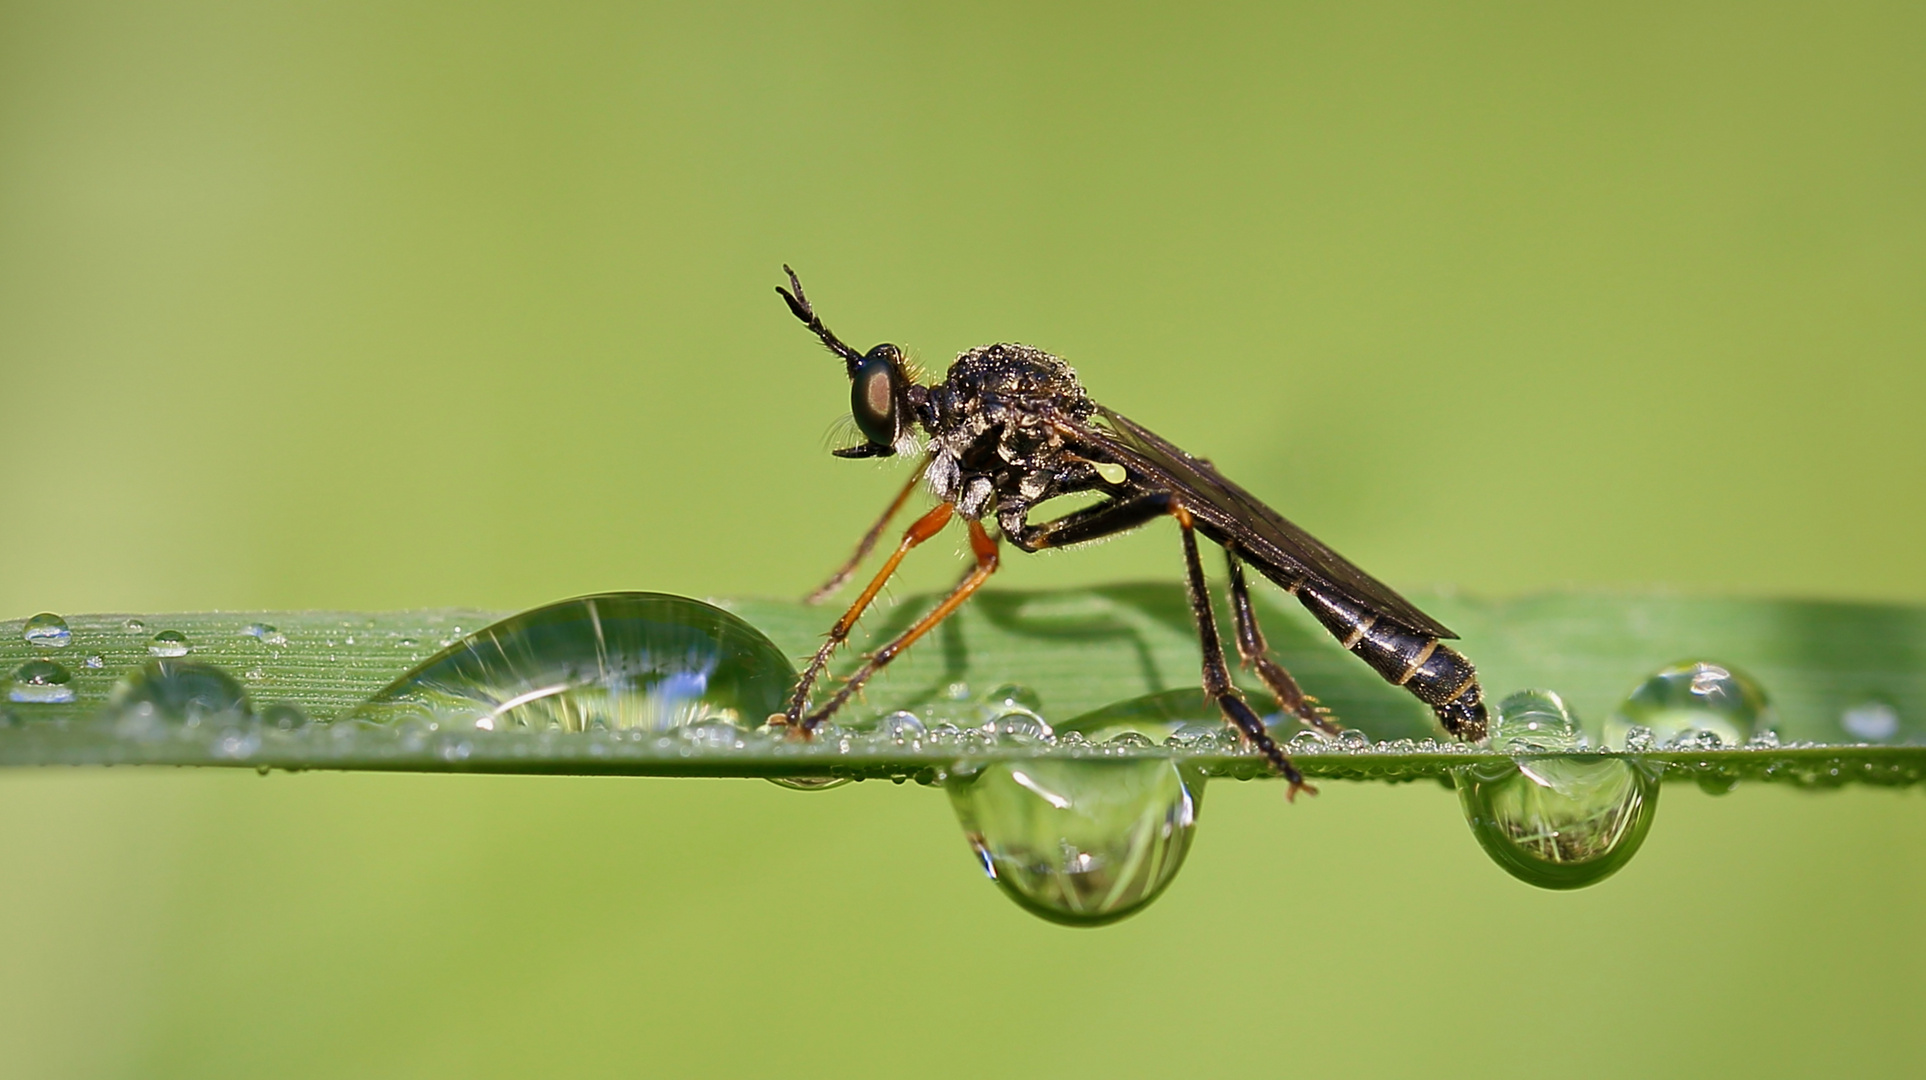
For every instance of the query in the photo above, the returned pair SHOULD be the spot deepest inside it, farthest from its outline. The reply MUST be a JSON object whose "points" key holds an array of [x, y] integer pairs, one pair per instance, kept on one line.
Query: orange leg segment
{"points": [[924, 527], [984, 547]]}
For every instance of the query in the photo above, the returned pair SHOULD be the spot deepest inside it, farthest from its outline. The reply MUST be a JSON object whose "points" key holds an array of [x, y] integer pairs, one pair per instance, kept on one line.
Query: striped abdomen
{"points": [[1436, 674]]}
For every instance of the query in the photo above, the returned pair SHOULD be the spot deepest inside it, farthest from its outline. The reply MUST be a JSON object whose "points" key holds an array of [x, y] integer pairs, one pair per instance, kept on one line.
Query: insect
{"points": [[1010, 428]]}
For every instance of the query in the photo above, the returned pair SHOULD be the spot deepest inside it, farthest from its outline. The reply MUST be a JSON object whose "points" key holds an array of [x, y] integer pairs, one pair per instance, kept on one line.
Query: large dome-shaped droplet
{"points": [[648, 661], [1560, 822], [1702, 704], [1080, 842], [183, 691]]}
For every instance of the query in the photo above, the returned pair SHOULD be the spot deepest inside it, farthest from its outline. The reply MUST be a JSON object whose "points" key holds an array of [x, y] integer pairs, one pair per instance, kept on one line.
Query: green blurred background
{"points": [[405, 304]]}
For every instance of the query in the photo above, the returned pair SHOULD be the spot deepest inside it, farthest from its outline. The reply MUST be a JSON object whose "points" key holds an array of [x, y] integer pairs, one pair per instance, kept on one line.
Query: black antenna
{"points": [[799, 307]]}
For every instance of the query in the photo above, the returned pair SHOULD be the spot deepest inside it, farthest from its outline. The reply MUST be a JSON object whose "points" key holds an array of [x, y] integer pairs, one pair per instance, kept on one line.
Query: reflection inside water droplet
{"points": [[1079, 842], [647, 661], [1691, 704], [1560, 822], [41, 682], [47, 631], [168, 643]]}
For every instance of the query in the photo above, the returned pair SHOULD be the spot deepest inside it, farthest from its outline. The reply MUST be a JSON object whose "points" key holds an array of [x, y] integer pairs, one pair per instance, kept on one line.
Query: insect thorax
{"points": [[990, 436]]}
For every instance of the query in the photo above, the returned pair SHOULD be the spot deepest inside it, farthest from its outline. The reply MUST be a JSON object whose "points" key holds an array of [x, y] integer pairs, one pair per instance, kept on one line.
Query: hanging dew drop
{"points": [[41, 682], [1686, 703], [1560, 822], [1079, 842], [169, 644], [614, 662], [47, 631], [809, 783]]}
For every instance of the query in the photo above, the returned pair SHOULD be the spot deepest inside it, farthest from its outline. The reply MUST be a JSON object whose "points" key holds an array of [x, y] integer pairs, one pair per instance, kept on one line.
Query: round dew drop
{"points": [[1079, 842], [41, 682], [47, 631]]}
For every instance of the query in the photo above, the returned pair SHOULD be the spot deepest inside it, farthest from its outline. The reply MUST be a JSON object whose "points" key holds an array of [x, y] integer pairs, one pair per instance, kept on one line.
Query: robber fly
{"points": [[1010, 428]]}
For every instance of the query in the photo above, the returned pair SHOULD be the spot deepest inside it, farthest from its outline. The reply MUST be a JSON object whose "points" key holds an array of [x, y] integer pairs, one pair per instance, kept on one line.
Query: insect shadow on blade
{"points": [[1008, 428]]}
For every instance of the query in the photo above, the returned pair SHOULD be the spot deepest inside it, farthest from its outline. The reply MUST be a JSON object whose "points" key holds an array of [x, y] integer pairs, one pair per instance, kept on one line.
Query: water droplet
{"points": [[1560, 822], [181, 691], [1870, 721], [41, 682], [809, 783], [616, 661], [266, 634], [96, 662], [1534, 720], [1013, 696], [903, 729], [134, 626], [1018, 725], [1130, 740], [1079, 842], [406, 643], [1684, 700], [47, 631], [169, 643], [284, 716]]}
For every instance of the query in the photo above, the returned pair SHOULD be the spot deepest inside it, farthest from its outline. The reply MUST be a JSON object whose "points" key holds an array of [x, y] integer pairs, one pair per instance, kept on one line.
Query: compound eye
{"points": [[872, 395]]}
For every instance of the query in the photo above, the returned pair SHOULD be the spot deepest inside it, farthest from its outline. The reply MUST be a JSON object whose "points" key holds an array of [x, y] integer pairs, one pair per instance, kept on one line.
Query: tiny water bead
{"points": [[266, 634], [283, 716], [134, 626], [1080, 842], [169, 644], [1560, 822], [47, 631], [614, 661], [41, 682], [1691, 704]]}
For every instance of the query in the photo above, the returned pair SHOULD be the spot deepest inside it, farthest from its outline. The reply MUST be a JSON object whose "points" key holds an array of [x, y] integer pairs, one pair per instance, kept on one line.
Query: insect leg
{"points": [[1106, 518], [1256, 652], [1217, 680], [868, 543], [925, 527], [985, 549]]}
